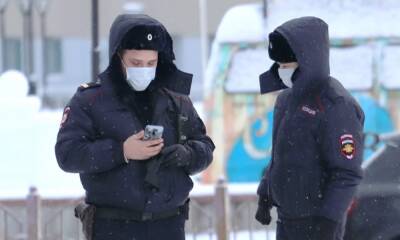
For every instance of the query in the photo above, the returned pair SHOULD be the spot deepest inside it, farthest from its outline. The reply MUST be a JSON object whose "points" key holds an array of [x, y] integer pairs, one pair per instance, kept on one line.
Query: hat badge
{"points": [[149, 37], [270, 45]]}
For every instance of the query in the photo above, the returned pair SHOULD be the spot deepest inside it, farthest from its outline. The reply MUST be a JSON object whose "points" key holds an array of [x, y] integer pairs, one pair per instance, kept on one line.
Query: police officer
{"points": [[136, 189], [317, 137]]}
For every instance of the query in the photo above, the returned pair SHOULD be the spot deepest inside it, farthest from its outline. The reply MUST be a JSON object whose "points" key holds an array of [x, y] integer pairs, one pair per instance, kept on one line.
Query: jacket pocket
{"points": [[293, 193], [314, 190], [181, 186]]}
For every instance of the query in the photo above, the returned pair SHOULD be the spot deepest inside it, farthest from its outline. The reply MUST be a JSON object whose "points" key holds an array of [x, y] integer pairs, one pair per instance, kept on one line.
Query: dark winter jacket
{"points": [[101, 116], [318, 132]]}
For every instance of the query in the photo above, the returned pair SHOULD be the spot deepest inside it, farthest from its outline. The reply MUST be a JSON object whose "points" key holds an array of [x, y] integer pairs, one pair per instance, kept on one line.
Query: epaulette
{"points": [[177, 95], [85, 86], [333, 93]]}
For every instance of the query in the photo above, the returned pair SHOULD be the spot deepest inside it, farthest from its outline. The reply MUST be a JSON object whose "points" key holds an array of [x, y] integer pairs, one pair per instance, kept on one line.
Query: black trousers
{"points": [[164, 229], [303, 229]]}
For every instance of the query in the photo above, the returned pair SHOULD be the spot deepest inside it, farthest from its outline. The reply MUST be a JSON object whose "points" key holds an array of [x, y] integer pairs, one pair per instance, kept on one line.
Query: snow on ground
{"points": [[233, 189], [27, 159], [27, 142], [28, 137], [14, 85], [259, 235]]}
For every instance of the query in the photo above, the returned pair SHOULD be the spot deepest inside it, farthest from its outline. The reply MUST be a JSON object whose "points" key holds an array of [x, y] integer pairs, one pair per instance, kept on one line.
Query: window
{"points": [[13, 54], [53, 55]]}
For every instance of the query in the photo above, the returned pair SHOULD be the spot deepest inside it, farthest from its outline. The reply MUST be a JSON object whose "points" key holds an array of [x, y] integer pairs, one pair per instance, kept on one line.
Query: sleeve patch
{"points": [[347, 146]]}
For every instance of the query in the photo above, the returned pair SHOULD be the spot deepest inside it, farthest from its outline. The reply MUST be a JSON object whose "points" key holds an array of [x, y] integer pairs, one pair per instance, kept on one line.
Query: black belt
{"points": [[124, 214]]}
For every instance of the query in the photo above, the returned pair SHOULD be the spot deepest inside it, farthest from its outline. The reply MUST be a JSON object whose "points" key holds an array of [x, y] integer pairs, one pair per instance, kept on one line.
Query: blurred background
{"points": [[50, 40], [49, 47]]}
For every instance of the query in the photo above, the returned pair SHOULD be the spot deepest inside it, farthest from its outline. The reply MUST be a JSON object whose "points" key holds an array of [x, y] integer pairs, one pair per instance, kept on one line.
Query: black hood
{"points": [[168, 74], [309, 39]]}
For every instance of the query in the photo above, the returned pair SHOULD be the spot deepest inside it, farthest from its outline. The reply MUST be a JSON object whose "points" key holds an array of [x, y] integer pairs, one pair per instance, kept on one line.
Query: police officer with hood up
{"points": [[317, 137], [135, 188]]}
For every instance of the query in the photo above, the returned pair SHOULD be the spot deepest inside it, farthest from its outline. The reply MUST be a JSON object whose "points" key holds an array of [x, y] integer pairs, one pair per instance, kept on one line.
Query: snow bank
{"points": [[13, 84], [14, 95], [28, 137], [233, 189], [27, 158], [258, 235], [27, 141]]}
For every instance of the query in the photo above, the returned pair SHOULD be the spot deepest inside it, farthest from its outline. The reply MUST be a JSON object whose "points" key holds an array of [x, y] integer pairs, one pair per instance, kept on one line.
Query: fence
{"points": [[215, 215]]}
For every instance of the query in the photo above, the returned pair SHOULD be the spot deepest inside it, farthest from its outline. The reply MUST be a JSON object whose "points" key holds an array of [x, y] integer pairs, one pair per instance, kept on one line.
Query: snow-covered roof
{"points": [[243, 23], [391, 62], [367, 18], [248, 64]]}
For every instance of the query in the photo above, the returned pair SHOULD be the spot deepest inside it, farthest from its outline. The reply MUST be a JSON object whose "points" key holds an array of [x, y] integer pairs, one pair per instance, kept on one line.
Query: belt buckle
{"points": [[147, 216]]}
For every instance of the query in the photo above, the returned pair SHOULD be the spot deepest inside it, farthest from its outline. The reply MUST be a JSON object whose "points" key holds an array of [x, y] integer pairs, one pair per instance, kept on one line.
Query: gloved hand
{"points": [[177, 155], [325, 228], [263, 214], [152, 168]]}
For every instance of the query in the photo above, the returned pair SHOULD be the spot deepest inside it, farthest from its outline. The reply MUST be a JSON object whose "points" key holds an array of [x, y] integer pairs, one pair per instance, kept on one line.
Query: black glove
{"points": [[153, 166], [177, 155], [263, 214], [325, 228]]}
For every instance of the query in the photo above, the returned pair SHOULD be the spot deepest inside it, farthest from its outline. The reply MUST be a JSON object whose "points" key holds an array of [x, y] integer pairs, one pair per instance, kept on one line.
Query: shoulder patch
{"points": [[65, 116], [85, 86], [347, 146]]}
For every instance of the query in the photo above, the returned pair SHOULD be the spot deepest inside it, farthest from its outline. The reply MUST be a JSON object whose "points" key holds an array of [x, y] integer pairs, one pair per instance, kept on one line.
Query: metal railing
{"points": [[217, 215], [12, 227], [55, 224]]}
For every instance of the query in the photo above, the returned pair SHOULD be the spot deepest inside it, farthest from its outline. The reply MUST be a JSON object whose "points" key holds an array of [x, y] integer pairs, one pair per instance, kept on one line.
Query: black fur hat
{"points": [[279, 49], [144, 38]]}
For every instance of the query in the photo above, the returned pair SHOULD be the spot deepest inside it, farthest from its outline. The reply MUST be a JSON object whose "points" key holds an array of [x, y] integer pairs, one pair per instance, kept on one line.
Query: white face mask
{"points": [[286, 76], [140, 77]]}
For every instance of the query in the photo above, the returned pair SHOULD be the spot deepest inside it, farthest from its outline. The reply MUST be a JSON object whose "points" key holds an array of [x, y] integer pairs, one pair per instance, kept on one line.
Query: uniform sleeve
{"points": [[342, 152], [200, 144], [263, 188], [78, 150]]}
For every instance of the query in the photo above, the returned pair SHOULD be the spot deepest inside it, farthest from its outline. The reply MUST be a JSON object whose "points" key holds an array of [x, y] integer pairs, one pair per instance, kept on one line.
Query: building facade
{"points": [[68, 38]]}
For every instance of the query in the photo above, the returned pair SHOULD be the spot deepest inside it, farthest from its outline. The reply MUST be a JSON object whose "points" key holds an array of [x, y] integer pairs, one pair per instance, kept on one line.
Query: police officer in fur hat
{"points": [[135, 188]]}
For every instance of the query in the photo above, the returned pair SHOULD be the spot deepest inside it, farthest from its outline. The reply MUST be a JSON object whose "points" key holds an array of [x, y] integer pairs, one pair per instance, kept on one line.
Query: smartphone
{"points": [[152, 132]]}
